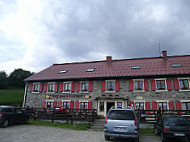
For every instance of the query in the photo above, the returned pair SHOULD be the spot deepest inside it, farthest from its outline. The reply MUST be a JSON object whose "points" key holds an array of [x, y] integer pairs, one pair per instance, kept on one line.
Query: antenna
{"points": [[159, 49]]}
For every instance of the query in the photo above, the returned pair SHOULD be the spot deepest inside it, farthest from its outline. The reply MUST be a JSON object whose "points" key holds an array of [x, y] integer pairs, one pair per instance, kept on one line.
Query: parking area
{"points": [[30, 133]]}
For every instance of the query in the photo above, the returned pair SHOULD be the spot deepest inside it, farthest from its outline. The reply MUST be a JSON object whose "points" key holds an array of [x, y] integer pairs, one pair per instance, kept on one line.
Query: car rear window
{"points": [[176, 121], [121, 115]]}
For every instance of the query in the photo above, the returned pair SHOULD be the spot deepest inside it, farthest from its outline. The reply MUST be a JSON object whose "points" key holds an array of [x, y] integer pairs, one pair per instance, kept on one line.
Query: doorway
{"points": [[109, 105]]}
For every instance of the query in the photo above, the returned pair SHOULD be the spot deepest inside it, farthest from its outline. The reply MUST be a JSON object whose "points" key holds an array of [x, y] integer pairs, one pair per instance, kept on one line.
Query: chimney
{"points": [[164, 53], [108, 59]]}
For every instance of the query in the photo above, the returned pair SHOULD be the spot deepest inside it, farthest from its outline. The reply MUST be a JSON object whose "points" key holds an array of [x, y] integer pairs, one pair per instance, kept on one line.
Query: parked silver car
{"points": [[122, 123]]}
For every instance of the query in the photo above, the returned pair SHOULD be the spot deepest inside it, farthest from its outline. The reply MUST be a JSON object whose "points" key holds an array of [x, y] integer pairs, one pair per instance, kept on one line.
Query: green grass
{"points": [[79, 127], [11, 94], [147, 131]]}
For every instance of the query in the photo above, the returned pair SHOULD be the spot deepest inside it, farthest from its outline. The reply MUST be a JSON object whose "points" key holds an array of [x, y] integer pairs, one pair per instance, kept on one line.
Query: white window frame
{"points": [[142, 86], [48, 87], [166, 87], [83, 101], [81, 91], [184, 101], [51, 101], [163, 101], [180, 78], [69, 82], [66, 101], [107, 88], [38, 88], [139, 101]]}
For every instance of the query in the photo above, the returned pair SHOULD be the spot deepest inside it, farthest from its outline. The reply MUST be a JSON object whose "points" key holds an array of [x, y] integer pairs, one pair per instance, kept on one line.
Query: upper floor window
{"points": [[51, 87], [36, 87], [67, 87], [84, 86], [184, 84], [161, 84], [110, 85], [138, 85]]}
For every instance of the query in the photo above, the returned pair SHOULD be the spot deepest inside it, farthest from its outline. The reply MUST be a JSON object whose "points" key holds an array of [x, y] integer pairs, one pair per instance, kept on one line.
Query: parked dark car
{"points": [[121, 123], [10, 115], [171, 126]]}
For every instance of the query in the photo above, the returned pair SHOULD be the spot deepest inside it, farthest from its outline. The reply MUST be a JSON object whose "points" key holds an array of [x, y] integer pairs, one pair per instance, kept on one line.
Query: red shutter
{"points": [[153, 85], [61, 87], [89, 106], [54, 104], [43, 104], [171, 105], [90, 86], [78, 86], [178, 106], [72, 87], [147, 105], [41, 87], [146, 87], [45, 87], [103, 86], [71, 105], [132, 104], [56, 87], [154, 106], [60, 104], [116, 85], [31, 87], [169, 84], [77, 106], [176, 84], [131, 85]]}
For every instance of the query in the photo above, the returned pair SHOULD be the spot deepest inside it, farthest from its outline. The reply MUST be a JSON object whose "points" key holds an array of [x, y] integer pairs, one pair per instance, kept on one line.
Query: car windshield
{"points": [[121, 115], [176, 121]]}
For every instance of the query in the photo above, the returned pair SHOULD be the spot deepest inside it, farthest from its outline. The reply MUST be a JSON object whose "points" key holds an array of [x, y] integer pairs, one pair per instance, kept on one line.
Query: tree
{"points": [[17, 77], [3, 80]]}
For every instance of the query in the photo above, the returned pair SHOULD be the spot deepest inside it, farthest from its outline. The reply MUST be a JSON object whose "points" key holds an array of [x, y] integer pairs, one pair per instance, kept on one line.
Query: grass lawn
{"points": [[79, 127], [147, 131], [11, 94]]}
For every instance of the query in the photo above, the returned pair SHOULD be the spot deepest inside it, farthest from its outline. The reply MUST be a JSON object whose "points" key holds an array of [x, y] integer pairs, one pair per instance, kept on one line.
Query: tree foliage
{"points": [[3, 80], [17, 77]]}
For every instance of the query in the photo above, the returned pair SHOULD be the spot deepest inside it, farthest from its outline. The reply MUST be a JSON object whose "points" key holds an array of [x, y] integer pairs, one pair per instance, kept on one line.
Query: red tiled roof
{"points": [[117, 68]]}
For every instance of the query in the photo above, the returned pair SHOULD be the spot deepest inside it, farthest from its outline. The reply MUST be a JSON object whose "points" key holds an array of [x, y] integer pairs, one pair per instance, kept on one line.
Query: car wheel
{"points": [[5, 123], [107, 138], [163, 138]]}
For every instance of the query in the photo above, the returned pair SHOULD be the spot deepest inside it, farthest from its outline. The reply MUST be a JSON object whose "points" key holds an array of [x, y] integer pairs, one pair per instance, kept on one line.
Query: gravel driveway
{"points": [[31, 133]]}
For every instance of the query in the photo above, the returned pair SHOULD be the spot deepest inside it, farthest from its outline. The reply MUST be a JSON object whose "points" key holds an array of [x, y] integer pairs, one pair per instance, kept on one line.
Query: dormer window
{"points": [[135, 67], [63, 71], [90, 70]]}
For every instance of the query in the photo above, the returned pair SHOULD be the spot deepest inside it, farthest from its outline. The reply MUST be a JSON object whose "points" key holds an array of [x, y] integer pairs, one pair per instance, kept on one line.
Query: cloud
{"points": [[35, 34]]}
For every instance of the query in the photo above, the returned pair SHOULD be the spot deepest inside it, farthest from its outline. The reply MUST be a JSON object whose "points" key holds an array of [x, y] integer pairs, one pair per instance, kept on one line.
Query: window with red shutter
{"points": [[153, 85], [117, 85], [31, 87], [45, 87], [171, 105], [178, 106], [132, 104], [78, 86], [154, 106], [61, 87], [77, 106], [60, 104], [176, 84], [131, 85], [43, 104], [169, 84], [41, 87], [71, 105], [89, 106], [54, 104], [147, 105], [146, 87], [90, 86], [73, 87], [103, 86], [56, 87]]}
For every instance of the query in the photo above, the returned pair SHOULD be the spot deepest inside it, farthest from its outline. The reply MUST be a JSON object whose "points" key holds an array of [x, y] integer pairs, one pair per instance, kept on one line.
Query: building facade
{"points": [[148, 83]]}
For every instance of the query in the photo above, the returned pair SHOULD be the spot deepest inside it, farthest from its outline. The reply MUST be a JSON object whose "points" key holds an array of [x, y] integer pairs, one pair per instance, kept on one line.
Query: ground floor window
{"points": [[83, 105], [66, 104], [162, 105], [101, 106], [119, 104], [186, 105], [139, 105], [49, 104]]}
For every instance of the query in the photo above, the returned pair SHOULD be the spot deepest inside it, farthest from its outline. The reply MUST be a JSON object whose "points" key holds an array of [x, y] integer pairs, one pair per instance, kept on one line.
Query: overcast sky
{"points": [[34, 34]]}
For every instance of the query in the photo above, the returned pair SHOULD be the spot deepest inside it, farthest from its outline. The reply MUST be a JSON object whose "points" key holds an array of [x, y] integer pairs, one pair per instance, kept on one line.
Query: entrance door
{"points": [[109, 105]]}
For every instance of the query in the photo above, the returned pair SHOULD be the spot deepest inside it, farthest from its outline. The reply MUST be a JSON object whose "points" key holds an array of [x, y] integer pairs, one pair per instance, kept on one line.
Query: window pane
{"points": [[160, 105], [158, 84], [186, 84], [140, 85], [184, 106], [101, 106], [163, 84], [181, 84], [137, 105], [188, 105], [165, 106], [136, 85]]}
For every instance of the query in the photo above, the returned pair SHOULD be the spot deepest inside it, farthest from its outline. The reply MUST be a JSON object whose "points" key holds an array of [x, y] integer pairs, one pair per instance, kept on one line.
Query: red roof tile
{"points": [[118, 68]]}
